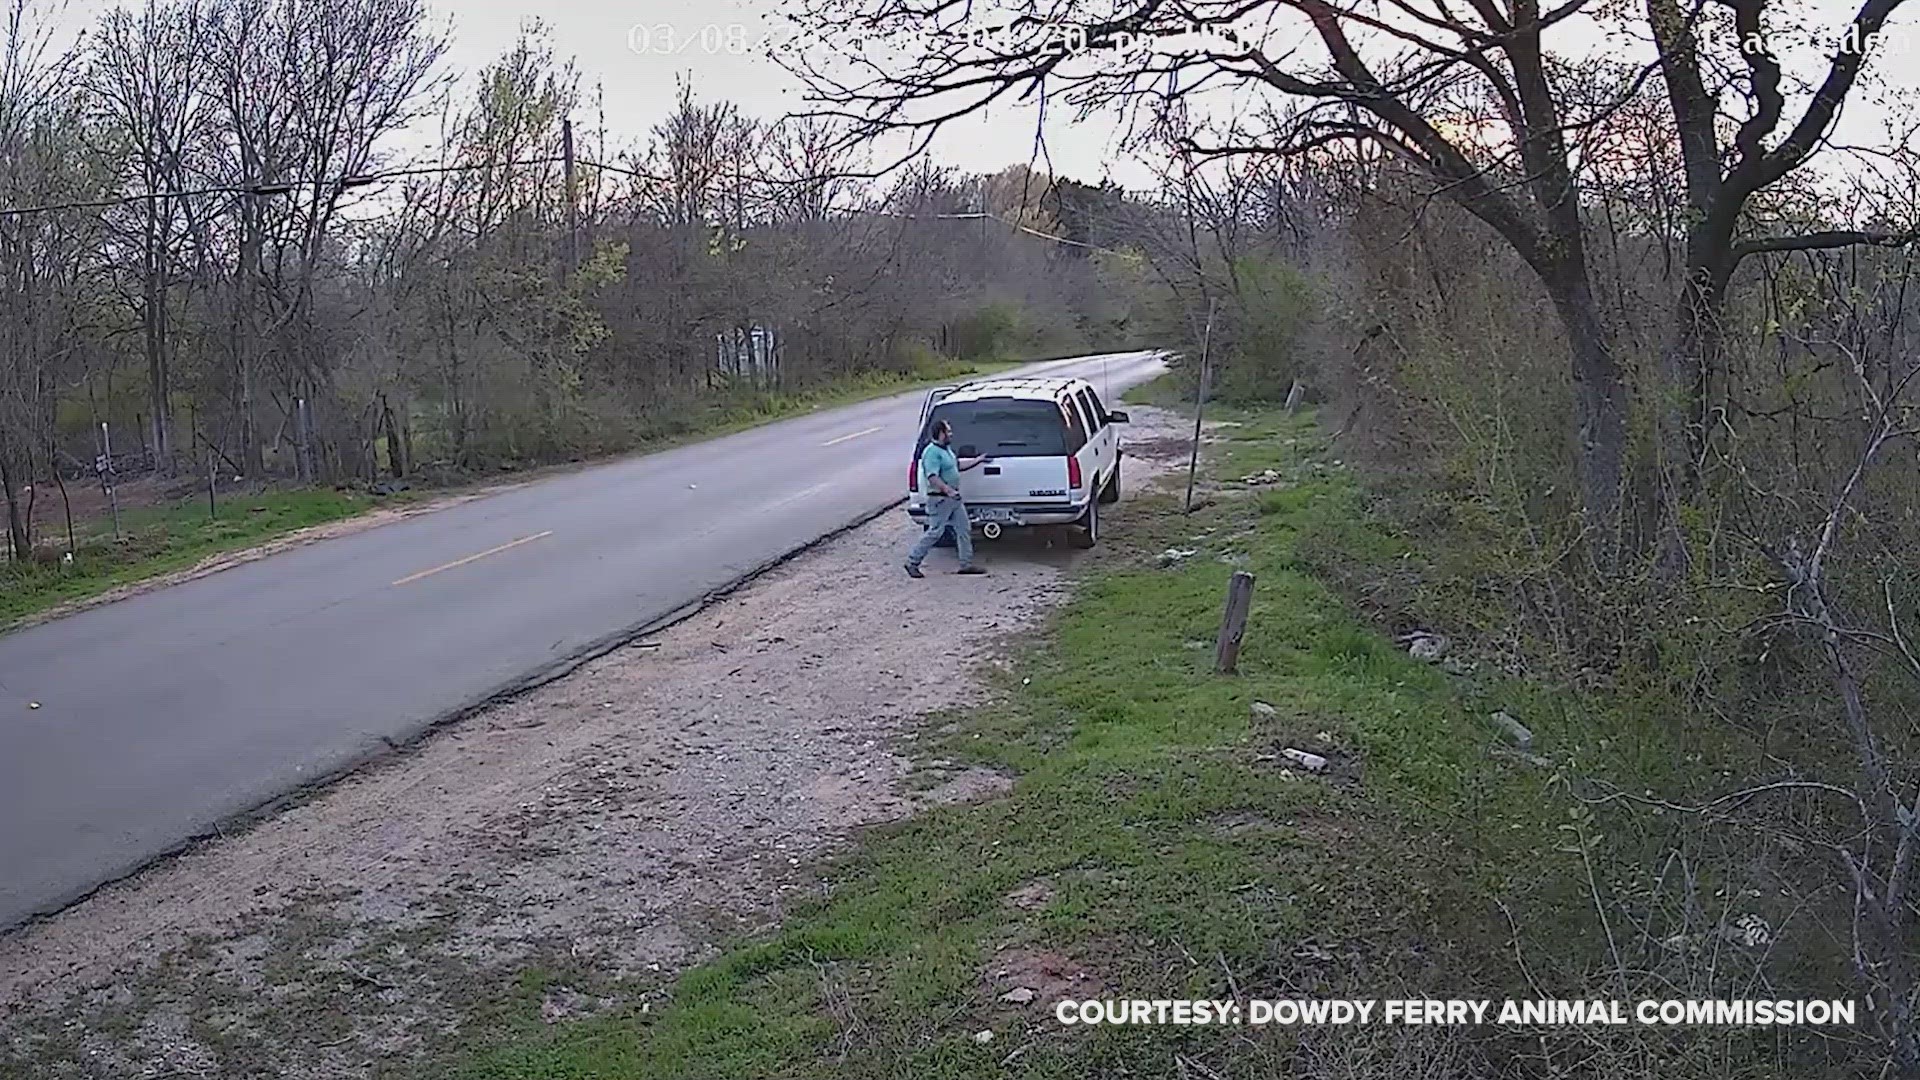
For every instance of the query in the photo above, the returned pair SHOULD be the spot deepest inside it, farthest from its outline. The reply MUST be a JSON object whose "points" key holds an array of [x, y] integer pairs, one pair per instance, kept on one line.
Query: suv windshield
{"points": [[1003, 427]]}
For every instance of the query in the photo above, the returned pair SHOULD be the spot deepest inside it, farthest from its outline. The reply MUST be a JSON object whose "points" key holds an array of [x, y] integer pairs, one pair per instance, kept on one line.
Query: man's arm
{"points": [[968, 463]]}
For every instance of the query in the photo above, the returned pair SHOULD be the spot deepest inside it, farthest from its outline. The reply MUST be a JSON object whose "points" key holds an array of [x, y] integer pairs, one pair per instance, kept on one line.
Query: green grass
{"points": [[1182, 859], [160, 540], [156, 541]]}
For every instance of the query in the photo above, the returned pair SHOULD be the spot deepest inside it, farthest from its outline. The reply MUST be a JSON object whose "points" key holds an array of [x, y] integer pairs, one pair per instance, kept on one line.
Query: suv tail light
{"points": [[913, 476], [1073, 472]]}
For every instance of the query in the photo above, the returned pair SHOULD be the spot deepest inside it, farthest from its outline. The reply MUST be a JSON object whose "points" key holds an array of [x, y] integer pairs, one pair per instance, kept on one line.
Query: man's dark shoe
{"points": [[970, 570], [914, 571]]}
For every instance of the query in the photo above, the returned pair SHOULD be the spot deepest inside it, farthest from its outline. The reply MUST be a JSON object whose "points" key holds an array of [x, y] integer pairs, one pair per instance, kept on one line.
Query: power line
{"points": [[362, 179], [979, 215], [278, 188]]}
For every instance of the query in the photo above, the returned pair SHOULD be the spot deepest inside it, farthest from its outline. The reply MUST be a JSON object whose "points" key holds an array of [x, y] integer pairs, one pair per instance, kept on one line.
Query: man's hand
{"points": [[968, 463]]}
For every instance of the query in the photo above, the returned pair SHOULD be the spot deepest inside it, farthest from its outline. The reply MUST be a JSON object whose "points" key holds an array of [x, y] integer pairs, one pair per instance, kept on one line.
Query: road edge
{"points": [[393, 749], [219, 562]]}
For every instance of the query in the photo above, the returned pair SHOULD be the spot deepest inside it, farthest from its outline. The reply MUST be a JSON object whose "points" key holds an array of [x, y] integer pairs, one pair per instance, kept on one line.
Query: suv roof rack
{"points": [[1050, 384]]}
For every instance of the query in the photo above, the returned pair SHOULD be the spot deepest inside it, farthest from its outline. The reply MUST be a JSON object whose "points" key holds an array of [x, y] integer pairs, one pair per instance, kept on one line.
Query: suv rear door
{"points": [[1101, 452], [1028, 439]]}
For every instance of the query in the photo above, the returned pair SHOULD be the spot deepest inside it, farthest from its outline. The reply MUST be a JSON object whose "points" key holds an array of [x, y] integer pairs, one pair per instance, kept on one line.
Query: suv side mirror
{"points": [[1116, 418]]}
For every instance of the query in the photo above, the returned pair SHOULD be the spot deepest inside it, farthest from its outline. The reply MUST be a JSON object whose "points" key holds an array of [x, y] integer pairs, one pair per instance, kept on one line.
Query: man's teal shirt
{"points": [[937, 460]]}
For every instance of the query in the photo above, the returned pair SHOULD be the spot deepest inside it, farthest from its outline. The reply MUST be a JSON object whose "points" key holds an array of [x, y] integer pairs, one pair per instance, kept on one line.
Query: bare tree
{"points": [[145, 78], [39, 165], [1466, 96]]}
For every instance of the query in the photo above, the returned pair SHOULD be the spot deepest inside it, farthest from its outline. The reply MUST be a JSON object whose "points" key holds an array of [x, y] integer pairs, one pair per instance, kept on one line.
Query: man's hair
{"points": [[941, 427]]}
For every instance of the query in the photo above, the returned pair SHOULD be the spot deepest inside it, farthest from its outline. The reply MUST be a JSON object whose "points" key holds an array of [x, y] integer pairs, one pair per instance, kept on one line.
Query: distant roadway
{"points": [[161, 715]]}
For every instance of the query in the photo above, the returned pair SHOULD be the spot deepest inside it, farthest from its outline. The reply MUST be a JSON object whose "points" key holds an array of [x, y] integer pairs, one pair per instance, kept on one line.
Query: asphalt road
{"points": [[164, 714]]}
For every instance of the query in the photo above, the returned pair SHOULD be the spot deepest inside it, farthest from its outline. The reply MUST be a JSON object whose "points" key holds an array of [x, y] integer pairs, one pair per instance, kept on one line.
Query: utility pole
{"points": [[573, 197], [1200, 402]]}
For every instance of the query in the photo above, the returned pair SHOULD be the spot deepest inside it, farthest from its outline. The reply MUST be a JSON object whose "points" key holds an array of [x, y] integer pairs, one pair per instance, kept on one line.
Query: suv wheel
{"points": [[1111, 493], [1089, 528]]}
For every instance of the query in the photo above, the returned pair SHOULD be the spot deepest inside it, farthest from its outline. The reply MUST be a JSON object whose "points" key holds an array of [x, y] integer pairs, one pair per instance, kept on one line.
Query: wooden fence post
{"points": [[1233, 625]]}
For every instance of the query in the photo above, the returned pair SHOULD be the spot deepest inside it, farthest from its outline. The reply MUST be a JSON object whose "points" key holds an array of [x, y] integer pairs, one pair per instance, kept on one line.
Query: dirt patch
{"points": [[607, 829], [1240, 824], [1032, 896], [1051, 977], [1165, 446], [971, 786]]}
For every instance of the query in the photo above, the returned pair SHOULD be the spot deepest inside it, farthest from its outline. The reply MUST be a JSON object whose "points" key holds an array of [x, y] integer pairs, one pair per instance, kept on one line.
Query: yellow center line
{"points": [[798, 495], [471, 558], [855, 435]]}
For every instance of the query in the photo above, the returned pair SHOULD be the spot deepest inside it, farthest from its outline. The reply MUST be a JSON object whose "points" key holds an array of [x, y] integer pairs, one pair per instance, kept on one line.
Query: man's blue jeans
{"points": [[942, 513]]}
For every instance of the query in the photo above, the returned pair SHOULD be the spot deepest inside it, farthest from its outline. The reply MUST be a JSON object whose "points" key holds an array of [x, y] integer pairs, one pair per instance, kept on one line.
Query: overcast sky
{"points": [[630, 50], [627, 47]]}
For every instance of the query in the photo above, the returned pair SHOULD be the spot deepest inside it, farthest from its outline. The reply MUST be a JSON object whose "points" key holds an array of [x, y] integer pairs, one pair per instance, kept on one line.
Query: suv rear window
{"points": [[1003, 427]]}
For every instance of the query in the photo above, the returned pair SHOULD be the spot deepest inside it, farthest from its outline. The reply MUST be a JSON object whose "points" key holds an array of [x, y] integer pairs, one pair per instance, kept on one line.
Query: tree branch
{"points": [[1824, 241]]}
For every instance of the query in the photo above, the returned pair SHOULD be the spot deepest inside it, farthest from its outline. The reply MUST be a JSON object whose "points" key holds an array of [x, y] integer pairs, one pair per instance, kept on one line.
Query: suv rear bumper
{"points": [[1028, 513]]}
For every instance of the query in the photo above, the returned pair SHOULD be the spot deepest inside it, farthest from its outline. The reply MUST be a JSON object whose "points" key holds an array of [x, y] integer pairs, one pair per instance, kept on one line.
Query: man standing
{"points": [[940, 472]]}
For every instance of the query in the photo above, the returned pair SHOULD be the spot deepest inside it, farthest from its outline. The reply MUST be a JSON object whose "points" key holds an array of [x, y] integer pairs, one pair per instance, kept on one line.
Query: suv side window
{"points": [[1099, 407], [1096, 416], [1076, 427]]}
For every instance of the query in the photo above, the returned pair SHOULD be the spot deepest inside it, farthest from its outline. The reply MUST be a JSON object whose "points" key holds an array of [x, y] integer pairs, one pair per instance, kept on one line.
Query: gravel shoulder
{"points": [[608, 829]]}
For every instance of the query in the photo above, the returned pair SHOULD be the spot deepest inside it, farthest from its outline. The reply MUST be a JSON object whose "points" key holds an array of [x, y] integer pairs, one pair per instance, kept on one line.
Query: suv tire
{"points": [[1087, 533], [1111, 493]]}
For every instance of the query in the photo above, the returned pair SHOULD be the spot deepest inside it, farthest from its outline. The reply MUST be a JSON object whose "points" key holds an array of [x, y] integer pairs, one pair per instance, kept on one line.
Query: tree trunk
{"points": [[18, 541], [66, 501], [1686, 377], [252, 451], [155, 327], [396, 446], [1600, 416]]}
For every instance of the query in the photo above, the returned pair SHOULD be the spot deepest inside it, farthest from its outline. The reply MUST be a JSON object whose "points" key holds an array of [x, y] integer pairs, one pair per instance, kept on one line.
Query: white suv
{"points": [[1055, 453]]}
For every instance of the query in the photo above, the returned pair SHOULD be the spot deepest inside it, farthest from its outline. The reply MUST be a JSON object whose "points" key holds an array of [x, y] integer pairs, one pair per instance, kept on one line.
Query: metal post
{"points": [[1233, 624], [213, 509], [1200, 403], [303, 440], [106, 475]]}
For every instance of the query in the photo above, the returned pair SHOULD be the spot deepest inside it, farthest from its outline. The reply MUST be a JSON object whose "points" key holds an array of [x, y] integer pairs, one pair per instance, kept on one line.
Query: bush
{"points": [[1271, 305], [985, 334]]}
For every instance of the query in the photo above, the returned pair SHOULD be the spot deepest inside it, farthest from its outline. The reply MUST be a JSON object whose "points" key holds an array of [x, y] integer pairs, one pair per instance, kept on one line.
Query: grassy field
{"points": [[1157, 844], [160, 540]]}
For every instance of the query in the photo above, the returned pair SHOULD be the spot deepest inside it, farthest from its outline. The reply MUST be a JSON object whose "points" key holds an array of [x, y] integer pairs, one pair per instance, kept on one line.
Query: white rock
{"points": [[1019, 995], [983, 1037], [1750, 930], [1512, 729], [1311, 762], [1263, 710], [1428, 647]]}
